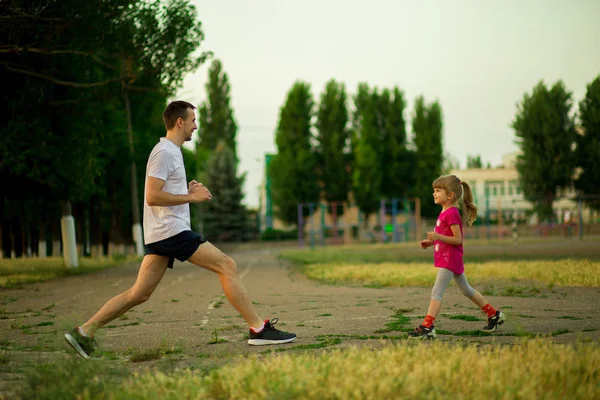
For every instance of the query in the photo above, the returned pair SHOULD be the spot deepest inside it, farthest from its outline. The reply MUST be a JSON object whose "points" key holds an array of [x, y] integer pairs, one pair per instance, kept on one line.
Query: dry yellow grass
{"points": [[563, 272], [534, 369]]}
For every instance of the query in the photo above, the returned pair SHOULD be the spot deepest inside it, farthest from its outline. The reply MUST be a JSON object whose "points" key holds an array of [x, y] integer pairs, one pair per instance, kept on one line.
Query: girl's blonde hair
{"points": [[462, 190]]}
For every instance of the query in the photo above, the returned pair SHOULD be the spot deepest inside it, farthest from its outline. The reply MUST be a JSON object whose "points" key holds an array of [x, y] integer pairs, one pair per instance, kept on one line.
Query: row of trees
{"points": [[560, 149], [329, 150], [84, 85]]}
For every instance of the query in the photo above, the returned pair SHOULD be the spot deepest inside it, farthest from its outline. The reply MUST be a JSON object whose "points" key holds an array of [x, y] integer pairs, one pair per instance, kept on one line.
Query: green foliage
{"points": [[216, 116], [427, 127], [270, 235], [395, 160], [545, 133], [366, 176], [225, 217], [64, 68], [474, 161], [333, 139], [588, 145], [292, 170], [64, 379]]}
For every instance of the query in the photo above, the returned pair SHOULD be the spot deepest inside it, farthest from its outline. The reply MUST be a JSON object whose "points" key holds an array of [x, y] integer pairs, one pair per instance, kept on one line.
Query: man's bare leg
{"points": [[151, 272], [209, 257]]}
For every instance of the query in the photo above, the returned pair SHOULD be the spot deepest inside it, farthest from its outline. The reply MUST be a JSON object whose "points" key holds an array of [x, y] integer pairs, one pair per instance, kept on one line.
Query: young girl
{"points": [[447, 239]]}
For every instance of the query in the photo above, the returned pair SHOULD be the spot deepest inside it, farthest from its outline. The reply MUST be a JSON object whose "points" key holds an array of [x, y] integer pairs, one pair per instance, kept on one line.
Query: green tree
{"points": [[588, 145], [395, 159], [545, 133], [366, 171], [474, 162], [292, 169], [427, 126], [225, 218], [332, 138], [75, 64], [216, 115]]}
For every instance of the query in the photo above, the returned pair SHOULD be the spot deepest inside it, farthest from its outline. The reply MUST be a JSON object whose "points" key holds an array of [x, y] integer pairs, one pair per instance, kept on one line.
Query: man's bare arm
{"points": [[156, 196]]}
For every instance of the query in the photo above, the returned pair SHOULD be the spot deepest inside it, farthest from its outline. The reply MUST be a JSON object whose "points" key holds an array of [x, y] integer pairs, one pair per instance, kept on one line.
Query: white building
{"points": [[497, 190]]}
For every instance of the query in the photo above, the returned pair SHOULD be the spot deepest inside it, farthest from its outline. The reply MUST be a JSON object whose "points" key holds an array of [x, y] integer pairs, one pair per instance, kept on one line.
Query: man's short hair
{"points": [[175, 110]]}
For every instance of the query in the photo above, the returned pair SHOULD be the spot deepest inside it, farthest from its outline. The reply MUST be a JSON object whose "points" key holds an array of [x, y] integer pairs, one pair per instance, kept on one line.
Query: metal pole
{"points": [[487, 214], [394, 213], [323, 211], [418, 217], [515, 232], [580, 210], [382, 220], [300, 226], [311, 208]]}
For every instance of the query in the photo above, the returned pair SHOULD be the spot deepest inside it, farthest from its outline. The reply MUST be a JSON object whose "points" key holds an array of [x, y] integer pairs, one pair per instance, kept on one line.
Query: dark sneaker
{"points": [[422, 333], [494, 322], [270, 335], [82, 344]]}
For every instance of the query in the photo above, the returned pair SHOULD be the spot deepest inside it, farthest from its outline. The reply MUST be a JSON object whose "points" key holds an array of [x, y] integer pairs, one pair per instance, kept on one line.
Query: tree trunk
{"points": [[135, 207]]}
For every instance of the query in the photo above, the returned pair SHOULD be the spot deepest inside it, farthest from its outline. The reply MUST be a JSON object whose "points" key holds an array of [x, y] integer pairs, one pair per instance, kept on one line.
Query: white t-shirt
{"points": [[166, 163]]}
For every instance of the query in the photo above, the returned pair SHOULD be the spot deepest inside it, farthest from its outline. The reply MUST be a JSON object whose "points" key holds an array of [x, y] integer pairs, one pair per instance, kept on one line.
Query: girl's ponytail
{"points": [[470, 208]]}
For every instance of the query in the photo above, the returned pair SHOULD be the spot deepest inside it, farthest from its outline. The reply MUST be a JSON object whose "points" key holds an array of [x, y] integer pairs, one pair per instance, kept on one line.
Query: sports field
{"points": [[351, 308]]}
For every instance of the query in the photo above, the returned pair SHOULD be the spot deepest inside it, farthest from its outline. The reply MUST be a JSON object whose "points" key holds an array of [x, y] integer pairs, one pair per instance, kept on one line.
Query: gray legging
{"points": [[443, 279]]}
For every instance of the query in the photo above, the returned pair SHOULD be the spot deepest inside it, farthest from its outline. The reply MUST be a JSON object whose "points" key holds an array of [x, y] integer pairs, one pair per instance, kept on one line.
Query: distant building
{"points": [[497, 190]]}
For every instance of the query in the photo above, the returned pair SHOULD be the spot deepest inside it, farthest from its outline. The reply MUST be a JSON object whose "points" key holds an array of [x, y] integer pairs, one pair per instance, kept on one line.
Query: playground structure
{"points": [[397, 220], [400, 220]]}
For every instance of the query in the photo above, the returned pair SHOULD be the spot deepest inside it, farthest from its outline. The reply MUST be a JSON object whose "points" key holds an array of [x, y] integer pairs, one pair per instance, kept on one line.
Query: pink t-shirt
{"points": [[446, 255]]}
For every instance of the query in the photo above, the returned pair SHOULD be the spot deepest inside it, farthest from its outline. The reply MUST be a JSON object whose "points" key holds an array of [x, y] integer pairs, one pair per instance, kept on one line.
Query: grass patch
{"points": [[475, 333], [145, 354], [363, 337], [155, 353], [560, 332], [521, 291], [16, 272], [567, 272], [323, 341], [398, 323], [324, 315], [216, 337], [569, 317], [3, 357], [477, 252], [531, 369], [466, 317], [218, 304], [65, 379], [121, 326]]}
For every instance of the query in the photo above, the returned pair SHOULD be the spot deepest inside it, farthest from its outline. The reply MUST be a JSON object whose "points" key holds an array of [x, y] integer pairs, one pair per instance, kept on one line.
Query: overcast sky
{"points": [[477, 58]]}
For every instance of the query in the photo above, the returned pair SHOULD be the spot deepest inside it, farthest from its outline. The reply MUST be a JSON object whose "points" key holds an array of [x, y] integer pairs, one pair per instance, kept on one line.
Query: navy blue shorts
{"points": [[180, 246]]}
